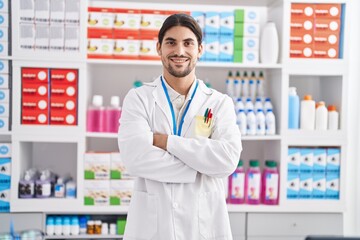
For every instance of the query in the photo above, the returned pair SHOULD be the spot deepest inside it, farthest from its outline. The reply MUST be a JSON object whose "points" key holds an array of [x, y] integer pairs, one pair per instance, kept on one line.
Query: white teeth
{"points": [[179, 60]]}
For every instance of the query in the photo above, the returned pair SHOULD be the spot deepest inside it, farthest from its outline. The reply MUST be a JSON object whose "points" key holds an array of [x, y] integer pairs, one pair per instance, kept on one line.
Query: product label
{"points": [[271, 191], [253, 188], [237, 188]]}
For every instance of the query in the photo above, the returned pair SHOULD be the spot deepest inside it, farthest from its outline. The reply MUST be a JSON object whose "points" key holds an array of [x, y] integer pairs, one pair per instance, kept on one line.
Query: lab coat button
{"points": [[175, 205]]}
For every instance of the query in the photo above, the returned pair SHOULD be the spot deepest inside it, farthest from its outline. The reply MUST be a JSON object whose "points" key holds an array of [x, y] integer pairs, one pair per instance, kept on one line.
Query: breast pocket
{"points": [[213, 216], [202, 127], [141, 222]]}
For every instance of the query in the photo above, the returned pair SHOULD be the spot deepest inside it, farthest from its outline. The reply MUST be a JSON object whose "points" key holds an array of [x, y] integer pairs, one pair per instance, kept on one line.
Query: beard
{"points": [[180, 73]]}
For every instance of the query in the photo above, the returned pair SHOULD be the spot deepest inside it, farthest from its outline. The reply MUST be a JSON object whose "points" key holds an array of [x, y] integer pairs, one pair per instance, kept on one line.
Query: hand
{"points": [[160, 140]]}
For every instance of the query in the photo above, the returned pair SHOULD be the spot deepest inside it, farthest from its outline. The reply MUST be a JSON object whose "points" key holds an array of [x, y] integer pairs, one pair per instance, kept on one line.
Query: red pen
{"points": [[208, 116]]}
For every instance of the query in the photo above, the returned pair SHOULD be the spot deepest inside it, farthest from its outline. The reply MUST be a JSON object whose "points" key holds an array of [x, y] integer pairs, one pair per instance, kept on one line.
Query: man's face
{"points": [[179, 51]]}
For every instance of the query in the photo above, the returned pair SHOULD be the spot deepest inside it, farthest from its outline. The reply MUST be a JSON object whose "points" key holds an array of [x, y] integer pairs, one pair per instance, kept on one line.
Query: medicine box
{"points": [[226, 49], [212, 23], [319, 185], [121, 191], [293, 185], [97, 166], [118, 170], [293, 160], [306, 185], [333, 160], [5, 150], [96, 192], [5, 170], [212, 48], [4, 197], [200, 18], [306, 160], [319, 160], [227, 24], [332, 186]]}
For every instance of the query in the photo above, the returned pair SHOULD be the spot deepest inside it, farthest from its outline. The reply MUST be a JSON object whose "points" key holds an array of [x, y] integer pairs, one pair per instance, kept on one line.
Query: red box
{"points": [[325, 38], [63, 104], [324, 51], [34, 117], [35, 89], [305, 25], [301, 51], [298, 37], [35, 103], [302, 10], [58, 117], [63, 90], [332, 11], [327, 25], [39, 75], [64, 76]]}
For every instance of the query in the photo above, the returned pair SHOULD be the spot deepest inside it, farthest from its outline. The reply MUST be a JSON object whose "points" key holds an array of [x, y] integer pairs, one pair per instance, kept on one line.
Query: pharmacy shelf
{"points": [[260, 138], [44, 204], [101, 135], [326, 67], [315, 137], [85, 236]]}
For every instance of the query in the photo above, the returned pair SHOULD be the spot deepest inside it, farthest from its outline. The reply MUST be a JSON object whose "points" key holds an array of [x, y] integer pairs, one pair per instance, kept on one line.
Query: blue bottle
{"points": [[294, 109]]}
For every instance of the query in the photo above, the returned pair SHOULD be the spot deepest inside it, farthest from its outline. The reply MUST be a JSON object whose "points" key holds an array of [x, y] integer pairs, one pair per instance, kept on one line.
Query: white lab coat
{"points": [[178, 193]]}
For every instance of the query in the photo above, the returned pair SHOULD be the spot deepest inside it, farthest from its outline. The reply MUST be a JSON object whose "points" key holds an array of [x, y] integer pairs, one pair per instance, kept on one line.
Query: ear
{"points": [[201, 50], [158, 48]]}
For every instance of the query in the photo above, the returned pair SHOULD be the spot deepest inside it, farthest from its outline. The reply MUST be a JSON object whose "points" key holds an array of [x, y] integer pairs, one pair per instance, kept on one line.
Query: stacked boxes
{"points": [[4, 28], [5, 179], [49, 96], [246, 36], [315, 30], [313, 173], [4, 96], [106, 180], [124, 33], [50, 25]]}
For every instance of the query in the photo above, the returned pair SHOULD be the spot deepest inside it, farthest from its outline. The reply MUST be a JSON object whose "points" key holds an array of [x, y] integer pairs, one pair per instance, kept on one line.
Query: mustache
{"points": [[178, 56]]}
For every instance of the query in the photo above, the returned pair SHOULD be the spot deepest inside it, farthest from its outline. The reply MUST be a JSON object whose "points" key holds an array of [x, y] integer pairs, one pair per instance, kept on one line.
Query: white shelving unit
{"points": [[325, 79]]}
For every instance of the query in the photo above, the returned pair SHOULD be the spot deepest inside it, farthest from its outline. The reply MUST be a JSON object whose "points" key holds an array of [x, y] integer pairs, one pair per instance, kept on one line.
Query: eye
{"points": [[171, 43]]}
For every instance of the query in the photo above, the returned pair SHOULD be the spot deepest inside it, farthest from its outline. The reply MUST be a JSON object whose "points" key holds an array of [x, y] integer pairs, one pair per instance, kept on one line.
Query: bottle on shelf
{"points": [[294, 109], [70, 189], [95, 115], [260, 86], [250, 123], [242, 121], [307, 113], [253, 183], [249, 105], [270, 123], [237, 88], [44, 185], [58, 226], [267, 105], [270, 183], [230, 85], [260, 122], [66, 226], [239, 105], [59, 189], [252, 86], [82, 224], [258, 104], [269, 44], [245, 85], [333, 120], [321, 116], [112, 115], [75, 226], [237, 185], [50, 226]]}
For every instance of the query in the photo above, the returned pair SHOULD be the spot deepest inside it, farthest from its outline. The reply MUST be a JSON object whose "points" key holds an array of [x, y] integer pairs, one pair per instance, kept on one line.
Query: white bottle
{"points": [[333, 121], [249, 105], [245, 86], [50, 226], [267, 105], [260, 122], [251, 123], [239, 105], [321, 116], [269, 44], [307, 113], [237, 87], [66, 226], [258, 105], [75, 226], [241, 121], [58, 226], [230, 85], [270, 123], [59, 189], [260, 85], [70, 189], [252, 86]]}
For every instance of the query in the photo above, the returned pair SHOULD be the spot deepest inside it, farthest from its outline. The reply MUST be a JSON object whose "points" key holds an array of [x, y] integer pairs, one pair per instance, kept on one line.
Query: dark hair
{"points": [[180, 19]]}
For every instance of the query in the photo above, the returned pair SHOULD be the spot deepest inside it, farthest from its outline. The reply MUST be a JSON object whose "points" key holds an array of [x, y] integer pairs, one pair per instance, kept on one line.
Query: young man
{"points": [[180, 139]]}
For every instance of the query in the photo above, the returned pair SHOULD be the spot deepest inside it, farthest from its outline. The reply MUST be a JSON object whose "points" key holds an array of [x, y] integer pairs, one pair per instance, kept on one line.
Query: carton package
{"points": [[97, 166], [96, 193], [121, 191]]}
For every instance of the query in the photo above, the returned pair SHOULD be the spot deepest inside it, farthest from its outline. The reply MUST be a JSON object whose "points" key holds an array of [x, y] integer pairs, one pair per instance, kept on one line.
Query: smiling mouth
{"points": [[179, 60]]}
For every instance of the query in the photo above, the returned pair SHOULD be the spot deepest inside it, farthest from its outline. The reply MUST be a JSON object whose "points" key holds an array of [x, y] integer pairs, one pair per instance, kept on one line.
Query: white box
{"points": [[27, 36], [4, 95], [4, 124], [4, 110], [5, 166], [117, 169], [99, 19], [319, 160], [42, 37], [250, 43], [56, 42], [100, 46], [251, 30], [27, 10], [212, 48], [200, 18], [126, 47], [121, 192], [57, 11], [72, 38], [251, 15], [212, 23], [96, 192], [5, 150], [319, 185], [127, 19], [251, 56], [306, 160], [4, 66], [97, 166], [4, 49], [226, 49], [293, 185], [4, 6], [4, 19], [293, 160], [306, 185], [148, 48], [72, 11], [4, 198], [332, 186], [227, 23], [333, 160], [4, 34], [42, 11], [4, 81]]}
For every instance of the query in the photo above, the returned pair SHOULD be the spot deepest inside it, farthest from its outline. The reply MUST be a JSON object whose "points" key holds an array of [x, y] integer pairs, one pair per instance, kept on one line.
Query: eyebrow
{"points": [[185, 40]]}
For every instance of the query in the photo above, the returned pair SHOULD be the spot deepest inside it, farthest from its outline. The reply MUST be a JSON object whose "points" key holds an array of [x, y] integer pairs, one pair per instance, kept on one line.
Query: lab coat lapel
{"points": [[199, 99], [162, 102]]}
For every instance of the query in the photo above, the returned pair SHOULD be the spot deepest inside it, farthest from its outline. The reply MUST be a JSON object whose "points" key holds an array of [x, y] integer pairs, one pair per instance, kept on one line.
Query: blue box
{"points": [[212, 50], [333, 160], [226, 51], [293, 186], [319, 185], [306, 185], [5, 170], [332, 186], [200, 19], [293, 160], [227, 24], [212, 23], [319, 160], [4, 197], [306, 160]]}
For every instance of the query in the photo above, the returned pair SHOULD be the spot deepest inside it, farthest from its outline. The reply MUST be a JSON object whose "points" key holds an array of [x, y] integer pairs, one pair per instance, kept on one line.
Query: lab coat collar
{"points": [[201, 95]]}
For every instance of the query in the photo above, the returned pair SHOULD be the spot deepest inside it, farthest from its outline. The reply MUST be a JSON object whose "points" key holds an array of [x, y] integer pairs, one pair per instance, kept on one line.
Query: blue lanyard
{"points": [[172, 108]]}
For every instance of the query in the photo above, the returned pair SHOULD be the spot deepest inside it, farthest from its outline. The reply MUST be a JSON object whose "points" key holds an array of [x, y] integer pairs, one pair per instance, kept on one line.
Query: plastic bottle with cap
{"points": [[321, 116], [260, 122], [258, 104], [237, 85], [239, 104], [270, 123], [241, 121], [66, 226], [70, 189], [59, 189], [252, 86], [245, 85], [260, 85], [96, 115], [74, 225], [237, 185], [230, 85], [333, 118], [267, 105], [50, 226], [294, 109], [113, 114], [307, 113], [58, 226], [253, 183], [249, 105], [250, 123], [270, 183]]}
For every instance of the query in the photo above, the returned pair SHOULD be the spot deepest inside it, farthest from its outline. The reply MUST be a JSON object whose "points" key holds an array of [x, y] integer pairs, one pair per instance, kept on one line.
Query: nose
{"points": [[179, 50]]}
